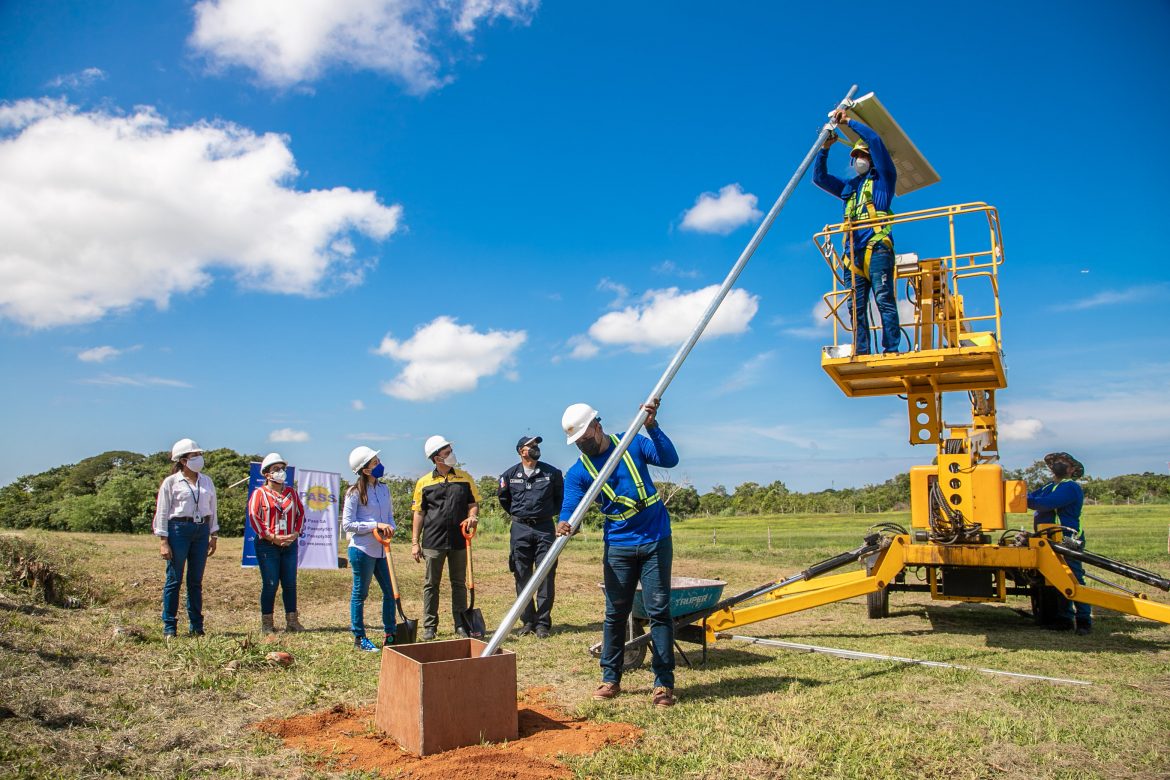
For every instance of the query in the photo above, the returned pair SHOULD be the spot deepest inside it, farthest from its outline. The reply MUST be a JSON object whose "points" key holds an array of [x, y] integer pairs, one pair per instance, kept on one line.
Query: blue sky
{"points": [[309, 230]]}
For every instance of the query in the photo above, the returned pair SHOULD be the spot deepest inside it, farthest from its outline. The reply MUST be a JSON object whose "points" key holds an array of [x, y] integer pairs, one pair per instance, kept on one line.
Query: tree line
{"points": [[115, 492]]}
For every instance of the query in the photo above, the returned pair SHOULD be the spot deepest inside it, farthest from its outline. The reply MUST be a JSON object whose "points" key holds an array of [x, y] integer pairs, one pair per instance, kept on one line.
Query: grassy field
{"points": [[82, 695]]}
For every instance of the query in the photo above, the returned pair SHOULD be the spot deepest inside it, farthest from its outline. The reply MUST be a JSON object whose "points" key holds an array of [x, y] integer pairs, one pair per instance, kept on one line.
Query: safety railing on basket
{"points": [[941, 254]]}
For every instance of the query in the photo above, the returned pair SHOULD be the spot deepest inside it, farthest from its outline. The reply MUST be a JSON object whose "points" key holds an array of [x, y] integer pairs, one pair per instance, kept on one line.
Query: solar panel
{"points": [[914, 171]]}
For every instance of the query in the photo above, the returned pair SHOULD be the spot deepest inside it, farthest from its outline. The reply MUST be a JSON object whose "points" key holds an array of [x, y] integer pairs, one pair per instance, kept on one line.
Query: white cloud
{"points": [[79, 80], [376, 436], [721, 213], [581, 348], [290, 43], [444, 357], [663, 318], [1113, 297], [358, 405], [820, 326], [671, 268], [747, 375], [288, 435], [134, 381], [620, 292], [98, 354], [1024, 429], [101, 212]]}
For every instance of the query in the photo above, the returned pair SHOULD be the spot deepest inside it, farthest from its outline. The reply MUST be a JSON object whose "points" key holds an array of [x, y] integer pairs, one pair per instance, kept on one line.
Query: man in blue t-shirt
{"points": [[1059, 502], [637, 539]]}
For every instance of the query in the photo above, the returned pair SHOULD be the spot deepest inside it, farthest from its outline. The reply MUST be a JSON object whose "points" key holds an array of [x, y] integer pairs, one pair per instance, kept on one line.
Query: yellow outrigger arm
{"points": [[898, 552]]}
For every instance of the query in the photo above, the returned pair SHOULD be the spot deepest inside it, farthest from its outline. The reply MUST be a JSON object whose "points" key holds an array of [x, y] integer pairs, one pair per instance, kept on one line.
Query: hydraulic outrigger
{"points": [[958, 540]]}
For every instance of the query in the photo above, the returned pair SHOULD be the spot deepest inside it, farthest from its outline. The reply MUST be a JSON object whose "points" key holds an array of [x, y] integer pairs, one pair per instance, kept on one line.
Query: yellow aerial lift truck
{"points": [[958, 543]]}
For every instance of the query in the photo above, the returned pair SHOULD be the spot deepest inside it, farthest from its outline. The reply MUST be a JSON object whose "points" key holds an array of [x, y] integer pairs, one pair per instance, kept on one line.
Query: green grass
{"points": [[79, 701]]}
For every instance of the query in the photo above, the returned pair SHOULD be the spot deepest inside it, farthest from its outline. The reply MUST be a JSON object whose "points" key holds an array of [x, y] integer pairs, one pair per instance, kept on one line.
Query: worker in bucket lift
{"points": [[444, 499], [1059, 502], [638, 545], [531, 492], [869, 257]]}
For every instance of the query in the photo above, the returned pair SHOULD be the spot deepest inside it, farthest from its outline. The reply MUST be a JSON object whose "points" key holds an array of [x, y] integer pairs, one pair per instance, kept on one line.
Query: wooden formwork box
{"points": [[436, 696]]}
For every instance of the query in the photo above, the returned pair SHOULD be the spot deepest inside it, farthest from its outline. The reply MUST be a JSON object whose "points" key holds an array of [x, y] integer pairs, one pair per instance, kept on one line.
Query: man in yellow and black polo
{"points": [[444, 499]]}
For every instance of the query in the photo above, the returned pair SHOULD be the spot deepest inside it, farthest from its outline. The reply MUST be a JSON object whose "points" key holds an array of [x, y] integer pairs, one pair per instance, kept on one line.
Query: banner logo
{"points": [[318, 498]]}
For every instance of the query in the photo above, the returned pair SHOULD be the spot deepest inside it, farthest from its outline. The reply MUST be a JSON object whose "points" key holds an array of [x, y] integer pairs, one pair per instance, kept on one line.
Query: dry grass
{"points": [[94, 692]]}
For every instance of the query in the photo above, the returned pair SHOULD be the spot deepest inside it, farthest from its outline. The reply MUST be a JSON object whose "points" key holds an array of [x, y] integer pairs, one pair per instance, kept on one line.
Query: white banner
{"points": [[317, 548]]}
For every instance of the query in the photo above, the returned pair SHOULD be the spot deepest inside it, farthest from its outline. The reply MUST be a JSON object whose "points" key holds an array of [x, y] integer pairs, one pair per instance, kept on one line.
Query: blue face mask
{"points": [[377, 471]]}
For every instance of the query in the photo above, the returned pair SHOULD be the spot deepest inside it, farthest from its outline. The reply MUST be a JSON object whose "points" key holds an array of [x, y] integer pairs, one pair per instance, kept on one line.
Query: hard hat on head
{"points": [[184, 447], [861, 147], [433, 445], [1062, 461], [359, 457], [575, 421], [270, 460]]}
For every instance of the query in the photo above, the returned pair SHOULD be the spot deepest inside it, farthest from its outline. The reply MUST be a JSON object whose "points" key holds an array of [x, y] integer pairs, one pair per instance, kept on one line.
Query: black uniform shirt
{"points": [[532, 498]]}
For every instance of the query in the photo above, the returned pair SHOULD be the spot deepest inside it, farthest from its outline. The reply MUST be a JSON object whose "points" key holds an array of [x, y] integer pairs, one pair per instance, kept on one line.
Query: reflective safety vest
{"points": [[862, 208], [633, 507]]}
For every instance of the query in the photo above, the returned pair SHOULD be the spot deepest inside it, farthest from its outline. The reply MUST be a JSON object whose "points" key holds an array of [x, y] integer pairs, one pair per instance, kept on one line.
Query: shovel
{"points": [[471, 621], [406, 632]]}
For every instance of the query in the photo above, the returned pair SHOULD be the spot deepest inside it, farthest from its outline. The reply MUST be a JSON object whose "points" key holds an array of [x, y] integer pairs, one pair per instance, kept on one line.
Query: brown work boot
{"points": [[663, 697], [607, 690], [292, 622], [266, 625]]}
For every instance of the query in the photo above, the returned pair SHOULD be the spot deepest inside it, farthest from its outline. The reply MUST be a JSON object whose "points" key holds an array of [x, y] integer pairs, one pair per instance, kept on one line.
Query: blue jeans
{"points": [[189, 542], [363, 567], [881, 282], [624, 568], [1066, 609], [278, 566]]}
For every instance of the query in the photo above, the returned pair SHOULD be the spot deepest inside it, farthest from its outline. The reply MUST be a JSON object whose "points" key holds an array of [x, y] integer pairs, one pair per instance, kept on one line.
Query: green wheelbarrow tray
{"points": [[687, 595]]}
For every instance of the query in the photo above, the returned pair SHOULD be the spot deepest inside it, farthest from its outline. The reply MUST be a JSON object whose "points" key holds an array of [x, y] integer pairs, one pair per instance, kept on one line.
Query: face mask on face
{"points": [[533, 452], [861, 165], [278, 476], [589, 445], [195, 463], [377, 471], [450, 460]]}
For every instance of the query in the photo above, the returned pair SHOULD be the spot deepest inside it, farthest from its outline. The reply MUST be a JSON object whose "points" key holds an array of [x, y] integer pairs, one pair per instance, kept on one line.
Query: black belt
{"points": [[531, 520], [195, 520]]}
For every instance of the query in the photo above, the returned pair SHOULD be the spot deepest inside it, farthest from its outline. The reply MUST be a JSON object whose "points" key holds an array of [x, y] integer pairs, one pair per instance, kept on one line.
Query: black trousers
{"points": [[529, 546]]}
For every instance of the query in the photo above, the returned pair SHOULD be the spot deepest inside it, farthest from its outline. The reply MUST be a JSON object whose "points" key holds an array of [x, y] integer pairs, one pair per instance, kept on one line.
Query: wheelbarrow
{"points": [[688, 595]]}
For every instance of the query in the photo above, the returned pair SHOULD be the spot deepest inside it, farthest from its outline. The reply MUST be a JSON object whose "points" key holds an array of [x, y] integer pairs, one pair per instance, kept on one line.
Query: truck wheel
{"points": [[877, 604]]}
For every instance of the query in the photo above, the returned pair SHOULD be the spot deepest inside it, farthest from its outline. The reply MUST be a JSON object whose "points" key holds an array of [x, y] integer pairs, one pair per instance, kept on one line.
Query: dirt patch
{"points": [[345, 739]]}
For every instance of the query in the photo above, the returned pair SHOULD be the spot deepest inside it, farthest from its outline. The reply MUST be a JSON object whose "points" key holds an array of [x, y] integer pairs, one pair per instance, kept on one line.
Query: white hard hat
{"points": [[184, 447], [271, 459], [576, 421], [359, 457], [434, 444]]}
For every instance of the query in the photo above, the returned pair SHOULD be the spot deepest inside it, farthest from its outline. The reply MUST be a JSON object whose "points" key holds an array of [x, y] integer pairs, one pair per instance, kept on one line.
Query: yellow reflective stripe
{"points": [[643, 498]]}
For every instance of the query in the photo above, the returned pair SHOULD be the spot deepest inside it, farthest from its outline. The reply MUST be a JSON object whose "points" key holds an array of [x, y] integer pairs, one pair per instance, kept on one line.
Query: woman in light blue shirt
{"points": [[367, 506]]}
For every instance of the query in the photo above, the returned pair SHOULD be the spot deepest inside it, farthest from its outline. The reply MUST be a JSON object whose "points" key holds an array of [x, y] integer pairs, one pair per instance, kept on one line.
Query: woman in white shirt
{"points": [[186, 522], [367, 506]]}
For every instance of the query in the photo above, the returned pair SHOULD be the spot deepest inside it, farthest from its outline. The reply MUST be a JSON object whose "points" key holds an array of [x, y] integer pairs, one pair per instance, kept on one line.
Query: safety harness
{"points": [[860, 209], [634, 507]]}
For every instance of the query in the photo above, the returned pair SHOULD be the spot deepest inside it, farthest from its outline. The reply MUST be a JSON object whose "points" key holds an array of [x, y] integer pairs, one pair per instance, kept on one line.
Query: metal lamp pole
{"points": [[615, 457]]}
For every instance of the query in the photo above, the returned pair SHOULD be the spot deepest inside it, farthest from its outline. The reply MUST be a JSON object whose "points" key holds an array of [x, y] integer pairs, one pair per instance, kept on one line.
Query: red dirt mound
{"points": [[345, 739]]}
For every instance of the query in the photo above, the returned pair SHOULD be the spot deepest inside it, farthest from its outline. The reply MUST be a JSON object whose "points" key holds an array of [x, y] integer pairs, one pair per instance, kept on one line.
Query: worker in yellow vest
{"points": [[869, 261]]}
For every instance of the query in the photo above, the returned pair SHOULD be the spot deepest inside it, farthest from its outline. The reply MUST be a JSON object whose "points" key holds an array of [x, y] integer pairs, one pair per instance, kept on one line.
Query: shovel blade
{"points": [[471, 621], [406, 632]]}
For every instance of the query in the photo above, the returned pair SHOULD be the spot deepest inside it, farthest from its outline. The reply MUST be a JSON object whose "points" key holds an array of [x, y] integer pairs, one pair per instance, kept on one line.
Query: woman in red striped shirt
{"points": [[277, 516]]}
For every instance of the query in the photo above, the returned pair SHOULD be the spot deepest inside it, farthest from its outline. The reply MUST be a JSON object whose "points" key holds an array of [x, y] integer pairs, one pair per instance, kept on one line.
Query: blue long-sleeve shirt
{"points": [[358, 520], [1058, 502], [652, 523], [883, 173]]}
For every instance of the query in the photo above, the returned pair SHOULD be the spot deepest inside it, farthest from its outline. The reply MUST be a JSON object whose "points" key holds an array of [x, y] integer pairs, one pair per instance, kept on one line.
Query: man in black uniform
{"points": [[531, 492]]}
